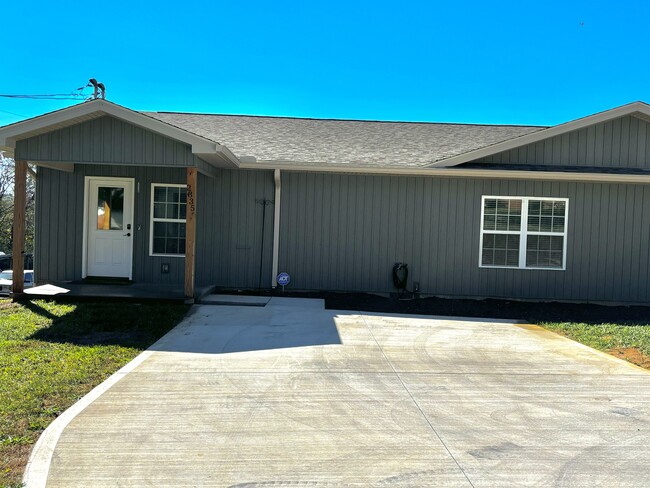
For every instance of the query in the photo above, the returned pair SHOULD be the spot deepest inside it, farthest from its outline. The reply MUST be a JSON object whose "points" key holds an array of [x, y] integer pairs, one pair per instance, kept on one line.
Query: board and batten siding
{"points": [[229, 227], [345, 232], [107, 140], [623, 142]]}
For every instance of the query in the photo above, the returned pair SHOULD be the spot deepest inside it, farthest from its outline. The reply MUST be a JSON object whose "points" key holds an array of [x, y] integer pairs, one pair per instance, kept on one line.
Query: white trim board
{"points": [[151, 221], [523, 233], [454, 172]]}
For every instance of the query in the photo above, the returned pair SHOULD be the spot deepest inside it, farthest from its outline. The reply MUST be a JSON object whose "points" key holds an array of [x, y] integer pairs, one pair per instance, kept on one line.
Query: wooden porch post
{"points": [[190, 233], [20, 198]]}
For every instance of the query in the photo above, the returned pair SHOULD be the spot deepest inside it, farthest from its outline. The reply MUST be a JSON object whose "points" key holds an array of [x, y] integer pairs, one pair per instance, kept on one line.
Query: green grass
{"points": [[631, 342], [52, 354]]}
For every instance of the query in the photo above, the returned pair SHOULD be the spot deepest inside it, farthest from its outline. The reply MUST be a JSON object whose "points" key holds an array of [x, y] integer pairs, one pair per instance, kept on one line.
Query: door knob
{"points": [[127, 235]]}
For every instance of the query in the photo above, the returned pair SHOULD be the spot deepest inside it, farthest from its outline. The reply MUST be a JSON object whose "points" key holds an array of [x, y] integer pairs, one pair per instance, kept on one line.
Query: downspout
{"points": [[276, 226]]}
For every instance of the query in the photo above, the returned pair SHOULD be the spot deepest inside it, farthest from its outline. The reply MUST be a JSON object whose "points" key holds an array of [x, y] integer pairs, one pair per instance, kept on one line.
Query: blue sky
{"points": [[463, 61]]}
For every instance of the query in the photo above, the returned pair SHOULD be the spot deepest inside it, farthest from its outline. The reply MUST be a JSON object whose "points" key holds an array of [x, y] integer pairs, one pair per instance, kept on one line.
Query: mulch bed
{"points": [[489, 308]]}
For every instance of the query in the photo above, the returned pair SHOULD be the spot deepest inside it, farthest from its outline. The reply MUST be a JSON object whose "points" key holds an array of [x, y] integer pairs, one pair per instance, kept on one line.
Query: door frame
{"points": [[84, 253]]}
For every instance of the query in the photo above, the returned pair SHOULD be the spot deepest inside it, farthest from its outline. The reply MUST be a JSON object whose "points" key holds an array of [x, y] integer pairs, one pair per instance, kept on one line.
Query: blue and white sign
{"points": [[283, 279]]}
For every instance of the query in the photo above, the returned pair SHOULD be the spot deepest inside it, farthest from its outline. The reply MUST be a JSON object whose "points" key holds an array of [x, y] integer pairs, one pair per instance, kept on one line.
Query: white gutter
{"points": [[501, 174], [276, 226]]}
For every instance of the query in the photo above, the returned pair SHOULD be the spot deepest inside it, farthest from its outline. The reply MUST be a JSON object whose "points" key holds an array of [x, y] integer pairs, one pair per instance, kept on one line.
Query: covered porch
{"points": [[123, 292], [101, 207]]}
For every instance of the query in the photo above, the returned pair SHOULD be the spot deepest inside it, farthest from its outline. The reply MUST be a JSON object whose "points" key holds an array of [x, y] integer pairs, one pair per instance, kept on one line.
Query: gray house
{"points": [[544, 213]]}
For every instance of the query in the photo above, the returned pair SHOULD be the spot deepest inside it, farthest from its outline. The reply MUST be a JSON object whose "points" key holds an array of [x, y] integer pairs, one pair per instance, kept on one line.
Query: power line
{"points": [[54, 96], [99, 91], [13, 113]]}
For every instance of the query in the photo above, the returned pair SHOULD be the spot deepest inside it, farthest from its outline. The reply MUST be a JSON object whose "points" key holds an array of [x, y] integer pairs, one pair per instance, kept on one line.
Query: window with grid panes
{"points": [[523, 232], [168, 214]]}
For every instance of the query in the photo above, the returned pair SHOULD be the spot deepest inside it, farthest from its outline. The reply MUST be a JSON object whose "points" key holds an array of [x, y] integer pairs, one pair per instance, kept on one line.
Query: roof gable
{"points": [[202, 147], [620, 143], [637, 110]]}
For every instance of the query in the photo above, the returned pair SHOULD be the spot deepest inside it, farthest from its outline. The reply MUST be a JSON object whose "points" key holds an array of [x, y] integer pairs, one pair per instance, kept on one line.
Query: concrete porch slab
{"points": [[132, 291]]}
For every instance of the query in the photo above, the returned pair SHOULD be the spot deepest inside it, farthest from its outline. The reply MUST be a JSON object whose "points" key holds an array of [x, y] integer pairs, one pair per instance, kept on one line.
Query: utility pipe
{"points": [[276, 226]]}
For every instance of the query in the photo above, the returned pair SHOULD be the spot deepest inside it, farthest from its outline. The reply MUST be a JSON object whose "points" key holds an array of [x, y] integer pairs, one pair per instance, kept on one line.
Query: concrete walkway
{"points": [[294, 395]]}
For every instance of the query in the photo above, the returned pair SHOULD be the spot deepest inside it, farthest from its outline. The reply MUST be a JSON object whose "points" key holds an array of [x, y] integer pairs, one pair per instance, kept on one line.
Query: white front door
{"points": [[109, 227]]}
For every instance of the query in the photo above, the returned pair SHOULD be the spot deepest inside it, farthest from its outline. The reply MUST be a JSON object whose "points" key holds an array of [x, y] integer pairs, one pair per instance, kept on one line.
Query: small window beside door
{"points": [[168, 211]]}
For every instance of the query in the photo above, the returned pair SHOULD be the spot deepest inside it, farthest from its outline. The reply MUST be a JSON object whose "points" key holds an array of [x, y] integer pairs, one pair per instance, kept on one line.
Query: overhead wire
{"points": [[68, 96]]}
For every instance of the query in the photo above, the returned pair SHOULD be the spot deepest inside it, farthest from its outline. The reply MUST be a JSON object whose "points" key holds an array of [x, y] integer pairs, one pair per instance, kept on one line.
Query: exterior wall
{"points": [[345, 232], [228, 231], [107, 140], [619, 143]]}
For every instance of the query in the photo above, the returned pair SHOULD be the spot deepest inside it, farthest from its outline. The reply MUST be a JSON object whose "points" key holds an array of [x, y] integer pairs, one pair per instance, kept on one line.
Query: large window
{"points": [[168, 211], [523, 232]]}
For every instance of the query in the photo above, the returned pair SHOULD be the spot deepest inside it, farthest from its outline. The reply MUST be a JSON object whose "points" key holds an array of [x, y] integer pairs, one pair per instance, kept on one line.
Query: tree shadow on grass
{"points": [[122, 324]]}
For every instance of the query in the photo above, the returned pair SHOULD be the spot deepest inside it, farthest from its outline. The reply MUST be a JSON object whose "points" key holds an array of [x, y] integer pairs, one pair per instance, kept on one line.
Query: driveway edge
{"points": [[38, 465], [598, 352]]}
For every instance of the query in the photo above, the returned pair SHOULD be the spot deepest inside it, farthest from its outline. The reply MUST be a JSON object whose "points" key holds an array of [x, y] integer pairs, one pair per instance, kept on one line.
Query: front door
{"points": [[110, 227]]}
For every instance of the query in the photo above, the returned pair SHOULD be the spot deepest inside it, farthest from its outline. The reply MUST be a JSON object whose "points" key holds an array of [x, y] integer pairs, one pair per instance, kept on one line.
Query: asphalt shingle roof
{"points": [[354, 142]]}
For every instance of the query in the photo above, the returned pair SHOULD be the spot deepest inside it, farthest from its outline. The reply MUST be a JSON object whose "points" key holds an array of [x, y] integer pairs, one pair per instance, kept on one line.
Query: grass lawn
{"points": [[627, 341], [53, 354]]}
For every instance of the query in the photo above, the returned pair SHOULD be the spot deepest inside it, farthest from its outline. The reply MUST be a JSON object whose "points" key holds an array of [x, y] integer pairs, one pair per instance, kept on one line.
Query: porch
{"points": [[95, 212], [75, 291]]}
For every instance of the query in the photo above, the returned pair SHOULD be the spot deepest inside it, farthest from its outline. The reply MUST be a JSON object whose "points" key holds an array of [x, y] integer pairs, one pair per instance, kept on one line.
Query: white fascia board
{"points": [[629, 109], [10, 134], [453, 172], [228, 155]]}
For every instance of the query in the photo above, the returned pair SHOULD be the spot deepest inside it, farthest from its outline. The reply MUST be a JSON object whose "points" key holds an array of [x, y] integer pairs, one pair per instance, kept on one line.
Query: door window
{"points": [[110, 208]]}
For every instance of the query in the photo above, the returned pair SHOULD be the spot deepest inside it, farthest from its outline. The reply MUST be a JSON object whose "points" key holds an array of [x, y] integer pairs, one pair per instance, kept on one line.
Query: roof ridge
{"points": [[284, 117]]}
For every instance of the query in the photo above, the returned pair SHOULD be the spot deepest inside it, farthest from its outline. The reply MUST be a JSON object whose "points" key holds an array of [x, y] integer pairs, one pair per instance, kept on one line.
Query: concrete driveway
{"points": [[294, 395]]}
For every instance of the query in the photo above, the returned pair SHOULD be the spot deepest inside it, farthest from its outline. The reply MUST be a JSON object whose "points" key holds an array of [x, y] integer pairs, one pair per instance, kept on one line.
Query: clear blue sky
{"points": [[518, 62]]}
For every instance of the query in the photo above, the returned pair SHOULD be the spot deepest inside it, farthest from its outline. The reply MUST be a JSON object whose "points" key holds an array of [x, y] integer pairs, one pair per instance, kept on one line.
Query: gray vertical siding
{"points": [[619, 143], [229, 229], [108, 140], [345, 232], [228, 232]]}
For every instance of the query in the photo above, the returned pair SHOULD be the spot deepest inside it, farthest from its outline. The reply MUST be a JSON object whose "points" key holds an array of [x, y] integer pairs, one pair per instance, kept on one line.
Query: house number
{"points": [[190, 199]]}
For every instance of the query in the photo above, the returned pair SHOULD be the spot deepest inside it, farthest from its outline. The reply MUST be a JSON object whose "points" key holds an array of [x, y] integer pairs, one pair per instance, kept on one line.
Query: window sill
{"points": [[522, 269], [166, 255]]}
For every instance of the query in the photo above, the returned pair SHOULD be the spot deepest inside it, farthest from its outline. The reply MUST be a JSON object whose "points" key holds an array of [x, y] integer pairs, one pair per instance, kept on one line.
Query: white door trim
{"points": [[84, 253]]}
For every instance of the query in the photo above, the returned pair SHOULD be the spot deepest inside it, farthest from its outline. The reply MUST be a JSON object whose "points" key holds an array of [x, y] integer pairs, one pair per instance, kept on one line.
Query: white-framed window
{"points": [[168, 214], [523, 232]]}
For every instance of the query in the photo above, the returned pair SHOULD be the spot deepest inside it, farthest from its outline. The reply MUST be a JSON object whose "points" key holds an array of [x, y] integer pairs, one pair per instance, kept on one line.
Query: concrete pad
{"points": [[291, 394]]}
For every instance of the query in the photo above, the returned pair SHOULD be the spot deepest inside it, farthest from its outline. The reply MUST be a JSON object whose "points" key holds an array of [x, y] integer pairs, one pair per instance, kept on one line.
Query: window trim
{"points": [[523, 233], [151, 220]]}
